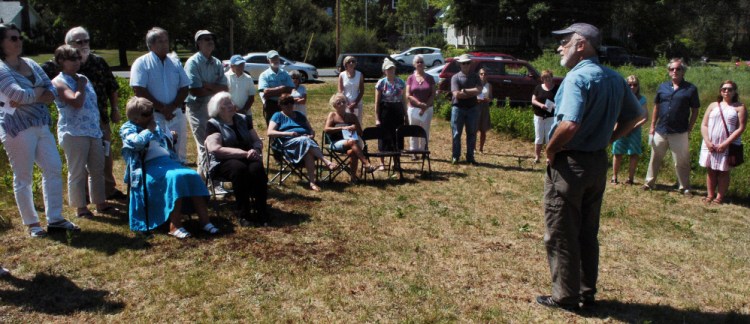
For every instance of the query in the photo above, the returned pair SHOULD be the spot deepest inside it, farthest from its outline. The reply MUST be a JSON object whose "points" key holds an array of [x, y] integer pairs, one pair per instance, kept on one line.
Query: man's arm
{"points": [[693, 118], [563, 134], [654, 119], [621, 129], [144, 93], [114, 104], [277, 91], [248, 104]]}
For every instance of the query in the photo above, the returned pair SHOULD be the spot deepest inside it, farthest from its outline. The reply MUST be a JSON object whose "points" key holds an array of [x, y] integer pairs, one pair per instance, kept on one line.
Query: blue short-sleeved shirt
{"points": [[595, 98], [674, 107], [163, 79], [288, 124], [200, 69], [271, 79]]}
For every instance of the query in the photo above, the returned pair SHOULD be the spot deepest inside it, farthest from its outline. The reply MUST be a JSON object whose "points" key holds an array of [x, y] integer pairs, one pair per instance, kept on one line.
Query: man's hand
{"points": [[167, 110], [114, 116], [253, 155]]}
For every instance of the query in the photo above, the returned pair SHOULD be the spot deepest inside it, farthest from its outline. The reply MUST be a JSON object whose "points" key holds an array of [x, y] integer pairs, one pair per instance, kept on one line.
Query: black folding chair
{"points": [[416, 131], [338, 157], [284, 166], [393, 165]]}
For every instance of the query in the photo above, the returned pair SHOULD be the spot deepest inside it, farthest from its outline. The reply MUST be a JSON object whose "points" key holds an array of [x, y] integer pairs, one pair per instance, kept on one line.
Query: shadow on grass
{"points": [[280, 218], [55, 295], [643, 313], [106, 242]]}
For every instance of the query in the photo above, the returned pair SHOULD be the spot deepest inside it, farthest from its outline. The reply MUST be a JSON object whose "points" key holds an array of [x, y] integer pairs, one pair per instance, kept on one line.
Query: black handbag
{"points": [[736, 152]]}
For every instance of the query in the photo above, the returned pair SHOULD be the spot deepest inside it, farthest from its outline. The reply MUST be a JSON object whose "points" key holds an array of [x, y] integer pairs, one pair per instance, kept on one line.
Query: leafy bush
{"points": [[452, 51], [516, 121], [359, 40]]}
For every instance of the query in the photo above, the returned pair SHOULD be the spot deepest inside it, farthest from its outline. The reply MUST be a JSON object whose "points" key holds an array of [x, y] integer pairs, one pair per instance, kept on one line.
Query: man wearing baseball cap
{"points": [[272, 83], [206, 76], [240, 85], [591, 100], [465, 87]]}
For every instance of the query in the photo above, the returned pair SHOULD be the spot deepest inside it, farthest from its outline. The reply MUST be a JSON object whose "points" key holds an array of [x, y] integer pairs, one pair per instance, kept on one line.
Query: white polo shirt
{"points": [[240, 87]]}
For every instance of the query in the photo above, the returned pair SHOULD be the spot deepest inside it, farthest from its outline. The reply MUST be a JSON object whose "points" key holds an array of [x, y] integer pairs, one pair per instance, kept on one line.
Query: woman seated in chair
{"points": [[297, 143], [146, 147], [235, 153], [344, 128]]}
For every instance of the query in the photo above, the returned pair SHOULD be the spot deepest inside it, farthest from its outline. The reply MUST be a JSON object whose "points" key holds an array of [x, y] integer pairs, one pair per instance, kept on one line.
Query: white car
{"points": [[432, 56], [256, 63], [435, 72]]}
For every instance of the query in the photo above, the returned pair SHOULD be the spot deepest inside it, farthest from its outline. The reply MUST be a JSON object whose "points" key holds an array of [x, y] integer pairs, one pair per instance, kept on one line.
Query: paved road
{"points": [[323, 74]]}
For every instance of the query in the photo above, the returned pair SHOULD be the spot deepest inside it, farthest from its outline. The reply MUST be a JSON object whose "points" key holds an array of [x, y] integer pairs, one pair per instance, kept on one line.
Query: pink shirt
{"points": [[421, 91]]}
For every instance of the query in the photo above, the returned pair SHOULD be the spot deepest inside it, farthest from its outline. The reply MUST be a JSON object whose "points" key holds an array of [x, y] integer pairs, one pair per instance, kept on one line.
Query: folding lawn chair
{"points": [[338, 157], [393, 158], [416, 131]]}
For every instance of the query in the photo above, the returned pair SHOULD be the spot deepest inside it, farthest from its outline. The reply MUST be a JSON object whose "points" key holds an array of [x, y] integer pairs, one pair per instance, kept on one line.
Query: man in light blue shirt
{"points": [[206, 76], [589, 102], [159, 77], [272, 83]]}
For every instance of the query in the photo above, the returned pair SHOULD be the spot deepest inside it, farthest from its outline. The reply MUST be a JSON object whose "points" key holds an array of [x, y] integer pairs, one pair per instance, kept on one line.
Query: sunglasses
{"points": [[82, 41], [675, 69], [419, 62], [633, 85], [727, 89], [15, 38]]}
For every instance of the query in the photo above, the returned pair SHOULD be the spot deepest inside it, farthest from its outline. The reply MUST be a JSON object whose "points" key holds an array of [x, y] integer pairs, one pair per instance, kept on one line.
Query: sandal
{"points": [[370, 168], [314, 187], [707, 200], [37, 231], [64, 225], [717, 201], [180, 233], [210, 229], [332, 166], [630, 182], [614, 181]]}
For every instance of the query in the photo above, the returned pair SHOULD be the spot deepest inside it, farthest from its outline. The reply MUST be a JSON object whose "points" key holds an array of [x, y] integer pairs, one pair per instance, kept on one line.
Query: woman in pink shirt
{"points": [[420, 93]]}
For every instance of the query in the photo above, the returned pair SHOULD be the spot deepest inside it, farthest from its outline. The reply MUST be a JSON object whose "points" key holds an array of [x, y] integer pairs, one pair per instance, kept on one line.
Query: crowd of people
{"points": [[577, 120]]}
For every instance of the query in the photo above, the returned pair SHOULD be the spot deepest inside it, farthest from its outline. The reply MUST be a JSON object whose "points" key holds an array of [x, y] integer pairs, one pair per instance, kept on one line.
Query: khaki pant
{"points": [[110, 185], [573, 191], [85, 157], [679, 145]]}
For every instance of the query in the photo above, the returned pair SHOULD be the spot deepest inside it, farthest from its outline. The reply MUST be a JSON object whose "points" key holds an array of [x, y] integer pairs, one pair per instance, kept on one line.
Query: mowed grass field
{"points": [[463, 246]]}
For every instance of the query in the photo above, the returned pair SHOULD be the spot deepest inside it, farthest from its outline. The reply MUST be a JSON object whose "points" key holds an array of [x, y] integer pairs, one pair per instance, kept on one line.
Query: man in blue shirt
{"points": [[675, 112], [465, 87], [590, 101], [272, 83], [206, 76], [159, 77]]}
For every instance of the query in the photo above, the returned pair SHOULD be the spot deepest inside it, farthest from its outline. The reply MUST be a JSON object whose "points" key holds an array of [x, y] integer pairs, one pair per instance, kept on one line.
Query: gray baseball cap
{"points": [[590, 32]]}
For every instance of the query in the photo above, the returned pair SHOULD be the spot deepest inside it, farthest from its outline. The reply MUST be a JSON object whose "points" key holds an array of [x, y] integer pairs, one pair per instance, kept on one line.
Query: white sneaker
{"points": [[220, 191], [4, 272]]}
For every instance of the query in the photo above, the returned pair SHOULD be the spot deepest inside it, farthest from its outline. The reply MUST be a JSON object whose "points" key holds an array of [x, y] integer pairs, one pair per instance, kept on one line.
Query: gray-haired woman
{"points": [[236, 154]]}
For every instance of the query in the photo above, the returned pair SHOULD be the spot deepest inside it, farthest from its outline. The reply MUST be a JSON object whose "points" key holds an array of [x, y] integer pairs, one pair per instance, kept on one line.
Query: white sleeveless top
{"points": [[351, 85]]}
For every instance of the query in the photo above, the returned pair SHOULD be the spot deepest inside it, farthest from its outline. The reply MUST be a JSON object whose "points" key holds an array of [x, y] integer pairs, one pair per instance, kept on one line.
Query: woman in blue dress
{"points": [[629, 144], [147, 148], [297, 143]]}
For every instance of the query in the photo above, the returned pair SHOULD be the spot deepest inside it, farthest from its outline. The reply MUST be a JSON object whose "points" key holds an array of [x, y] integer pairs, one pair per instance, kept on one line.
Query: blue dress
{"points": [[630, 144], [166, 179], [294, 148]]}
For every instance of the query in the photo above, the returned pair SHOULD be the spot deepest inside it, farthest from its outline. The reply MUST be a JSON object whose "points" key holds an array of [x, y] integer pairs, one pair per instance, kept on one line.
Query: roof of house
{"points": [[9, 10]]}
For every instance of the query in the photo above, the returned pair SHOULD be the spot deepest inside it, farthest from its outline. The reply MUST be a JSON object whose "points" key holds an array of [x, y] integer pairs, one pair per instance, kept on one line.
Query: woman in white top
{"points": [[299, 93], [352, 85], [484, 99], [720, 128]]}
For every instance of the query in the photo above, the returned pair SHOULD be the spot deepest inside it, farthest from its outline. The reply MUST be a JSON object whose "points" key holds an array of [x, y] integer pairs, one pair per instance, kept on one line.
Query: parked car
{"points": [[616, 56], [256, 63], [371, 64], [435, 72], [510, 78], [432, 56]]}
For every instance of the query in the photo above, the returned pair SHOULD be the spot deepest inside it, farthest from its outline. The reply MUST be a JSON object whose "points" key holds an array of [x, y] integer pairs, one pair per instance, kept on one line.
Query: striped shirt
{"points": [[20, 89]]}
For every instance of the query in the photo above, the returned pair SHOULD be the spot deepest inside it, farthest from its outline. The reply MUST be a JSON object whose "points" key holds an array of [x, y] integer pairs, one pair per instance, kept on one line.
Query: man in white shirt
{"points": [[240, 85]]}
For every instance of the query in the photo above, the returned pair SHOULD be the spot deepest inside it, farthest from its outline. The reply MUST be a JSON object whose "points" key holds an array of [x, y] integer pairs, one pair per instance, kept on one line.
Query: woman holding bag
{"points": [[721, 127]]}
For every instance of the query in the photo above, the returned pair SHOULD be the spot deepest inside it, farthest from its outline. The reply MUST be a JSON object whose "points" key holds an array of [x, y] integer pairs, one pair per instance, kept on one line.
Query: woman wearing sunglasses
{"points": [[722, 125], [25, 92], [629, 144], [79, 133]]}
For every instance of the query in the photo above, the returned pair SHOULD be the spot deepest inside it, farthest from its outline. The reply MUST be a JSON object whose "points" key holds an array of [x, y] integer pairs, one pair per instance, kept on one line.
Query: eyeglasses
{"points": [[675, 69], [81, 41], [147, 113], [15, 38], [727, 89], [633, 85]]}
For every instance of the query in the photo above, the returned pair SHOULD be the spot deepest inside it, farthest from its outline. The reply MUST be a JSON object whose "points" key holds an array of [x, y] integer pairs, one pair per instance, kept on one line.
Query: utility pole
{"points": [[338, 28]]}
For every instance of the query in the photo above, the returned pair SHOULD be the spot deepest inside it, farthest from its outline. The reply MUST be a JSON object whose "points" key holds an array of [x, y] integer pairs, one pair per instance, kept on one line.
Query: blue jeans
{"points": [[469, 118]]}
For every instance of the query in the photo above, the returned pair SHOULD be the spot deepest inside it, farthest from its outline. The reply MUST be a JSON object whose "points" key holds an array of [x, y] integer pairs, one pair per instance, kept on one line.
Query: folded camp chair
{"points": [[340, 158], [210, 178], [284, 166], [393, 158], [416, 131]]}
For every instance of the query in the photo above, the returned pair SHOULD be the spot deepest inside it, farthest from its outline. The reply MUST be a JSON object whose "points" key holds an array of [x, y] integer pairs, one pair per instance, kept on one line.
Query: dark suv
{"points": [[510, 78], [371, 64]]}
